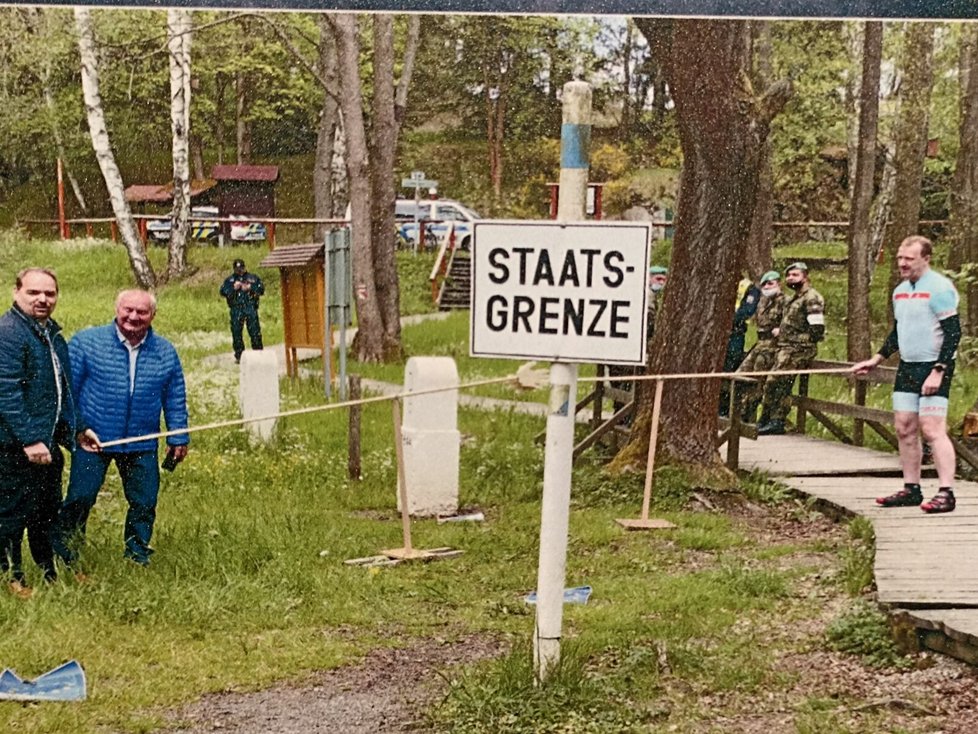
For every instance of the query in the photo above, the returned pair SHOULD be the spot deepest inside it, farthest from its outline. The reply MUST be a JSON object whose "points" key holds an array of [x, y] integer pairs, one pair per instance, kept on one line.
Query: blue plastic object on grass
{"points": [[577, 595], [64, 683]]}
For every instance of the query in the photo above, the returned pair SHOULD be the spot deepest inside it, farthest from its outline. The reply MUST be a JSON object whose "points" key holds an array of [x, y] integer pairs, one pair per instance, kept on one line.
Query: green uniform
{"points": [[802, 328], [761, 357]]}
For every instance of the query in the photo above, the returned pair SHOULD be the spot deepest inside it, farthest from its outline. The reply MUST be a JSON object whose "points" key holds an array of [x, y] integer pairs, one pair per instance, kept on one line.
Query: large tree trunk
{"points": [[178, 26], [858, 334], [910, 138], [855, 41], [220, 89], [369, 341], [141, 268], [964, 192], [322, 172], [383, 150], [722, 129]]}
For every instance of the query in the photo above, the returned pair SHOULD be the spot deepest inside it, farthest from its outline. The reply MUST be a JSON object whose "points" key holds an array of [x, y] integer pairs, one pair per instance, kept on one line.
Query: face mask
{"points": [[771, 290], [656, 287], [796, 286]]}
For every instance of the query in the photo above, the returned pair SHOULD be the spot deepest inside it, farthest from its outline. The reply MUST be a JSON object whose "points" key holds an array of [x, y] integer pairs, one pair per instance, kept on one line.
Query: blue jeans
{"points": [[140, 475]]}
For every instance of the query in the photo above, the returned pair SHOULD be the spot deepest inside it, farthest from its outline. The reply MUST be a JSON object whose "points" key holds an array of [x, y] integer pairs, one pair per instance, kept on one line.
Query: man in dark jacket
{"points": [[242, 290], [37, 413], [124, 376]]}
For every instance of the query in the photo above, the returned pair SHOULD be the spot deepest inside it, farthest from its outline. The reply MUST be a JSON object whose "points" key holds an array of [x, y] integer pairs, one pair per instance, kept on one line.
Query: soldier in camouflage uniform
{"points": [[802, 328], [761, 357]]}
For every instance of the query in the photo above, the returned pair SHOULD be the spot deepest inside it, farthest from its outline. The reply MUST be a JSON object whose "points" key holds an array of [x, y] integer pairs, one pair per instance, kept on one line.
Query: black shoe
{"points": [[904, 498], [943, 501], [771, 428]]}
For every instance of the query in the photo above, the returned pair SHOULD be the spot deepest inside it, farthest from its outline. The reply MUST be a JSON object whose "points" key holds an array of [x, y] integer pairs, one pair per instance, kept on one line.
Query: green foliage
{"points": [[858, 557], [760, 487], [502, 697], [863, 630]]}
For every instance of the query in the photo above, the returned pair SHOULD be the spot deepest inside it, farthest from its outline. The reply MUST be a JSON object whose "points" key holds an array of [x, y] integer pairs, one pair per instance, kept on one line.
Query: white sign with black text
{"points": [[564, 292]]}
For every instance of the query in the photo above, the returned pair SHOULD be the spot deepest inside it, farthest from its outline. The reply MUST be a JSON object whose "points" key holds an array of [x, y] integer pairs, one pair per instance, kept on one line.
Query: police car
{"points": [[201, 228], [443, 215], [245, 230]]}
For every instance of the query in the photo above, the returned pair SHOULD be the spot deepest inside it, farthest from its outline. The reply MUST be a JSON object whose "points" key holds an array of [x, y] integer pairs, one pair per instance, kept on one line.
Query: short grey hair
{"points": [[131, 291]]}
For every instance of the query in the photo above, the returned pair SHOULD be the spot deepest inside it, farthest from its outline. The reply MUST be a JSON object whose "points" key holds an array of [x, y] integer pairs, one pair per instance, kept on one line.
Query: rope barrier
{"points": [[478, 383]]}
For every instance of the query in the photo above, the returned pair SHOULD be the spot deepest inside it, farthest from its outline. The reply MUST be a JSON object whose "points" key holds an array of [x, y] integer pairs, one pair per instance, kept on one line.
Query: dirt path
{"points": [[383, 694]]}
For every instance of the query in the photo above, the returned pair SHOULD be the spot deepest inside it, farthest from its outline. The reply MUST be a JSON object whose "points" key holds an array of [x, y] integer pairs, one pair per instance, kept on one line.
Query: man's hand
{"points": [[237, 285], [861, 368], [38, 453], [932, 384], [179, 452], [89, 441]]}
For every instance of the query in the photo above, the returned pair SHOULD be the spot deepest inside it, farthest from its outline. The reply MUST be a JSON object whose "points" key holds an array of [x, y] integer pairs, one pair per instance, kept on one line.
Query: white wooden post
{"points": [[558, 460], [258, 392]]}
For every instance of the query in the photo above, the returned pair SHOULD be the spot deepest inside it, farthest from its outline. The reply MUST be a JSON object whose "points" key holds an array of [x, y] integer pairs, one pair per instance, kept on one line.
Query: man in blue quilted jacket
{"points": [[124, 376]]}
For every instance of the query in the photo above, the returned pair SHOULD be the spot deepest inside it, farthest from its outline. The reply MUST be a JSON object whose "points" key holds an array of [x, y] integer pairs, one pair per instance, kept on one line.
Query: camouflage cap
{"points": [[796, 266], [770, 275]]}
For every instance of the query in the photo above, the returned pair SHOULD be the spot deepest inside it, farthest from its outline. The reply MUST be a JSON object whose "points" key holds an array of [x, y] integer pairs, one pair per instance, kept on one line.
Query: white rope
{"points": [[478, 383]]}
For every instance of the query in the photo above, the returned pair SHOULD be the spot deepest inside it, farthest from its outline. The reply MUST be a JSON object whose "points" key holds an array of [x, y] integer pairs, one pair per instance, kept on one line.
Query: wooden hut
{"points": [[247, 191], [303, 278]]}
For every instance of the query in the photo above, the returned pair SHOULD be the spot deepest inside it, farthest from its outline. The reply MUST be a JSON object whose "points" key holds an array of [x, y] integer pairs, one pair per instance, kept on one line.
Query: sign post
{"points": [[418, 182], [567, 291]]}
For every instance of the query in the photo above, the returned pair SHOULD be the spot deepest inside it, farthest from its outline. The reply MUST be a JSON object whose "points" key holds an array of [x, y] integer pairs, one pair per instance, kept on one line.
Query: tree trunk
{"points": [[369, 342], [964, 193], [220, 87], [625, 124], [857, 322], [242, 127], [760, 244], [855, 33], [722, 128], [910, 138], [322, 172], [197, 156], [383, 150], [178, 26], [141, 268]]}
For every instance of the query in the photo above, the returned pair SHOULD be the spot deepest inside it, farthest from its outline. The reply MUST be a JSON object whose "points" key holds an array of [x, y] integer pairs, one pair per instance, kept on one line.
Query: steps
{"points": [[457, 291]]}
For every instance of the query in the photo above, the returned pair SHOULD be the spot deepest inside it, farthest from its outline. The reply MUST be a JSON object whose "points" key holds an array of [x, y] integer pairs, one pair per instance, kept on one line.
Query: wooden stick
{"points": [[401, 476], [653, 439]]}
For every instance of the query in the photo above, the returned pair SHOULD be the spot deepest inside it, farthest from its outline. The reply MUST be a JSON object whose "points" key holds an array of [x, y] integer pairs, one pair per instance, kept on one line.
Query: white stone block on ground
{"points": [[258, 392], [430, 437], [436, 411], [431, 464]]}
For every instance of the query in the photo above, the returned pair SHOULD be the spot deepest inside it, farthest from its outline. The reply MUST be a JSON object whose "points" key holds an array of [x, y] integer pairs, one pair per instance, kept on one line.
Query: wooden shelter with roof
{"points": [[303, 277], [247, 191]]}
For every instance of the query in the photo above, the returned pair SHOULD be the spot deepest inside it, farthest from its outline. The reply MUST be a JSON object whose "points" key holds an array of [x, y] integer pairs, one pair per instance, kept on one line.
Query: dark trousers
{"points": [[30, 495], [140, 475], [241, 318]]}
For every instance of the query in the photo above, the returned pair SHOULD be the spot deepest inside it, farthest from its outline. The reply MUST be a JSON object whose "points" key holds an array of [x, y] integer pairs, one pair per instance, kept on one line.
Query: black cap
{"points": [[239, 263]]}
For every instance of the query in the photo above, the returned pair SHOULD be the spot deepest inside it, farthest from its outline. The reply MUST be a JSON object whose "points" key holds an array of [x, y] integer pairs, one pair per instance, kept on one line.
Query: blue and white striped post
{"points": [[575, 137]]}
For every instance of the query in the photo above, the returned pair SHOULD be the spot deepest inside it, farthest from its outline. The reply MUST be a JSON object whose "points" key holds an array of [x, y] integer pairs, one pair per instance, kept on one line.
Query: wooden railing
{"points": [[732, 429]]}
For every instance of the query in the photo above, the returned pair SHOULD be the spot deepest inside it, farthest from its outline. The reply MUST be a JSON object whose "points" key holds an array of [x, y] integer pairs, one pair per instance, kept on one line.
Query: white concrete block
{"points": [[437, 411], [258, 392], [431, 464]]}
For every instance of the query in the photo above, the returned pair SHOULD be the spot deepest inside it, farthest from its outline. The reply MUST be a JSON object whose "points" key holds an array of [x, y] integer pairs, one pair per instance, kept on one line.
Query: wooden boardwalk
{"points": [[926, 566]]}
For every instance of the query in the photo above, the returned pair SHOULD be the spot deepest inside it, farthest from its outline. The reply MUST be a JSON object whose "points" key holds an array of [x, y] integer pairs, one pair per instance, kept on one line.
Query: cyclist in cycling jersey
{"points": [[926, 332]]}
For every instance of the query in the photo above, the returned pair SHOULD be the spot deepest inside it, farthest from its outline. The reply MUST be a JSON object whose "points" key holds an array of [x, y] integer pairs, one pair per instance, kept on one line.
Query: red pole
{"points": [[553, 201], [597, 201], [271, 235], [62, 225]]}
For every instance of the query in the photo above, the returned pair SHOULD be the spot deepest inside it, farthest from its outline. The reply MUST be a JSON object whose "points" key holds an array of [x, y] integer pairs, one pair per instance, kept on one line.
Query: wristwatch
{"points": [[940, 367]]}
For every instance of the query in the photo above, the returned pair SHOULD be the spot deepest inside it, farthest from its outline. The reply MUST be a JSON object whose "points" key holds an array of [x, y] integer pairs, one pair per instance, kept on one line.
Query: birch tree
{"points": [[142, 270], [178, 28]]}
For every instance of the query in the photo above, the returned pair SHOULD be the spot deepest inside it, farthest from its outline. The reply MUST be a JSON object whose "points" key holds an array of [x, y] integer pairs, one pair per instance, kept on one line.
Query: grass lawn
{"points": [[248, 584]]}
